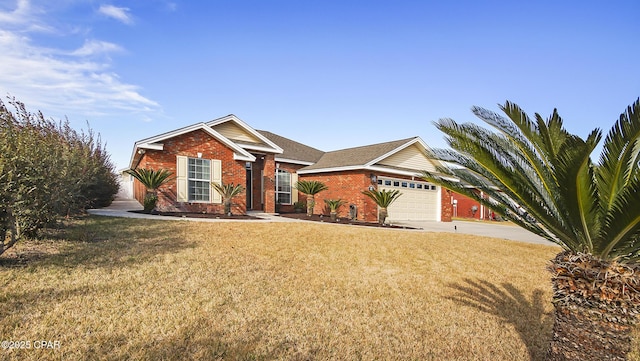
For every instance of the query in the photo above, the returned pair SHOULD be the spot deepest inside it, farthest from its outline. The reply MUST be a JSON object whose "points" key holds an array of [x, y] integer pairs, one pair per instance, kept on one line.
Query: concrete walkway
{"points": [[120, 208]]}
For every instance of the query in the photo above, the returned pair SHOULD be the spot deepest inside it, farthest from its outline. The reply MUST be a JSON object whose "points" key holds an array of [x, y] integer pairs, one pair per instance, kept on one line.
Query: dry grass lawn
{"points": [[124, 289]]}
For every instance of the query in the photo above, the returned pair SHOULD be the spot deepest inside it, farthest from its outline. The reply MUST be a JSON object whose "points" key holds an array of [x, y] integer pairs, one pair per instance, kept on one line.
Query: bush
{"points": [[47, 170]]}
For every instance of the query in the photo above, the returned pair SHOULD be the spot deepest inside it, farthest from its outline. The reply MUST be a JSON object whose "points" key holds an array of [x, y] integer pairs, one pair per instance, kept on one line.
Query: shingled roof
{"points": [[356, 157], [293, 150]]}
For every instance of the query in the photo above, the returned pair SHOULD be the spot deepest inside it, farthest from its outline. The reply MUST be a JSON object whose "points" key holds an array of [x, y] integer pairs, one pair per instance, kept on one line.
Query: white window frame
{"points": [[205, 181], [287, 187]]}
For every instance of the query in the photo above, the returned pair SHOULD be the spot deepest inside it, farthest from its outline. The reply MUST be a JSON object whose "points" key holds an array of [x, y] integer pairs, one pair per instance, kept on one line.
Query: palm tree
{"points": [[334, 205], [383, 199], [310, 188], [227, 192], [152, 180], [591, 210]]}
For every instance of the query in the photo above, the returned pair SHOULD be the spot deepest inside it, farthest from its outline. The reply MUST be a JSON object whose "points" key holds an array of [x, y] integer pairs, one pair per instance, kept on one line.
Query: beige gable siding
{"points": [[231, 130], [410, 158]]}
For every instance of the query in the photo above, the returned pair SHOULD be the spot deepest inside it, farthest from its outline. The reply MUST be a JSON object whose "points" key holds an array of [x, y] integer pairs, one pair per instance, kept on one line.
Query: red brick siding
{"points": [[348, 186], [190, 144], [446, 205], [269, 183], [464, 207]]}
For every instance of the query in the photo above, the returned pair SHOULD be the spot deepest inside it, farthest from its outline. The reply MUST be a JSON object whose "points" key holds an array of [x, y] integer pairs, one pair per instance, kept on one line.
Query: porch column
{"points": [[269, 183]]}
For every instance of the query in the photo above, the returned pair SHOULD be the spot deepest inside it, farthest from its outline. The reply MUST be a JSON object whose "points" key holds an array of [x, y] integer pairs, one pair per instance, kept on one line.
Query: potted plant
{"points": [[152, 180], [298, 207], [334, 205], [227, 192], [383, 199]]}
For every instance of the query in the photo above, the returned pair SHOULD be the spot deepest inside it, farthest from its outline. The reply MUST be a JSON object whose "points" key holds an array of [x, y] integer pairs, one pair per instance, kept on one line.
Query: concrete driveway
{"points": [[488, 229], [121, 207]]}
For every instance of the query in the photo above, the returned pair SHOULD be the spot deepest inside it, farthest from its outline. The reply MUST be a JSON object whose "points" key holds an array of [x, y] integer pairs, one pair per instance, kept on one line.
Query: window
{"points": [[283, 187], [199, 180]]}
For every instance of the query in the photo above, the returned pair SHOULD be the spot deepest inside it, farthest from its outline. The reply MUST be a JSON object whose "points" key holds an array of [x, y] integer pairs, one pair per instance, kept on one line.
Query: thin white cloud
{"points": [[120, 14], [24, 17], [61, 82], [96, 47]]}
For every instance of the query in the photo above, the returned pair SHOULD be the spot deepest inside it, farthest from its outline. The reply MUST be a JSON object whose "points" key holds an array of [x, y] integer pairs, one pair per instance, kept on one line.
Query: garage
{"points": [[418, 202]]}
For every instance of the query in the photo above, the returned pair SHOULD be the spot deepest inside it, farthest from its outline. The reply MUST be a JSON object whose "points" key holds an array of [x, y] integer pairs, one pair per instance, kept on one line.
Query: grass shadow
{"points": [[96, 241], [511, 306]]}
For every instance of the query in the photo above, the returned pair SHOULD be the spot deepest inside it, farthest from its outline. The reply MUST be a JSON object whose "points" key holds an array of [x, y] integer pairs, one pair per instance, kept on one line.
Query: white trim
{"points": [[154, 146], [293, 161], [334, 169], [374, 168], [258, 147], [439, 205], [245, 126], [398, 149], [153, 142], [250, 158]]}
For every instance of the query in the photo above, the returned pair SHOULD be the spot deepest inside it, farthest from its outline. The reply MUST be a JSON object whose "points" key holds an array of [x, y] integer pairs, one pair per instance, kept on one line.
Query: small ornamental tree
{"points": [[152, 180], [590, 209], [383, 199], [227, 192], [334, 205], [310, 188]]}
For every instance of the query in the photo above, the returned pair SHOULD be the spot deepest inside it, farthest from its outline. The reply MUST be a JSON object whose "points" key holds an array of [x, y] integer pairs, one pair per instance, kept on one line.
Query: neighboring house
{"points": [[228, 150]]}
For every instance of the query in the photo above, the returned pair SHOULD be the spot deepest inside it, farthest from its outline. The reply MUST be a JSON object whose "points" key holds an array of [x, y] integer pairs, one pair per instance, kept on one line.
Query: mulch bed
{"points": [[301, 216], [202, 215], [327, 219]]}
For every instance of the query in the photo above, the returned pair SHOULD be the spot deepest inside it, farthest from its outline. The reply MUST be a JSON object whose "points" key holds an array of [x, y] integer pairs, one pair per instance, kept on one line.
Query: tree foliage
{"points": [[538, 165], [47, 170], [227, 192], [310, 188], [383, 198]]}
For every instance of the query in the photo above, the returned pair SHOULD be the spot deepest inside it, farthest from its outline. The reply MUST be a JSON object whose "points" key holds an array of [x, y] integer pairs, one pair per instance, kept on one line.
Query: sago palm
{"points": [[334, 205], [152, 180], [227, 192], [310, 188], [383, 198], [591, 210]]}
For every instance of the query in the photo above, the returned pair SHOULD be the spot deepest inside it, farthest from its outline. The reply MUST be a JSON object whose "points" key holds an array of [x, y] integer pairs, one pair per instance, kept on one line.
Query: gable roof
{"points": [[242, 134], [371, 157], [293, 152], [240, 150]]}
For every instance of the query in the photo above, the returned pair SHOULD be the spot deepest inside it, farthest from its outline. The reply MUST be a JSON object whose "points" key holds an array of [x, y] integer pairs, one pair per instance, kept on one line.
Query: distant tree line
{"points": [[47, 170]]}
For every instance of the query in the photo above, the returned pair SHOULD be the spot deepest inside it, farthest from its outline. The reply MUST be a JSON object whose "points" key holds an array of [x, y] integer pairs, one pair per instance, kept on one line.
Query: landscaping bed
{"points": [[327, 219], [201, 215]]}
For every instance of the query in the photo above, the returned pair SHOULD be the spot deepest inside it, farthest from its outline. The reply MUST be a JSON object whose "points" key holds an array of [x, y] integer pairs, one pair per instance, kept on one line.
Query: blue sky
{"points": [[330, 74]]}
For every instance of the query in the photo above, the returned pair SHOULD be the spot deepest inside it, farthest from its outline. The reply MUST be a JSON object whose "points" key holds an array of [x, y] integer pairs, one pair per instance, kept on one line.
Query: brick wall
{"points": [[190, 144], [464, 208], [446, 205], [348, 186]]}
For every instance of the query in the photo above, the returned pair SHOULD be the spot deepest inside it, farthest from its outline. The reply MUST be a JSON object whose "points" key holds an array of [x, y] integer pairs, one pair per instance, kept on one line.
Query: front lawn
{"points": [[128, 289]]}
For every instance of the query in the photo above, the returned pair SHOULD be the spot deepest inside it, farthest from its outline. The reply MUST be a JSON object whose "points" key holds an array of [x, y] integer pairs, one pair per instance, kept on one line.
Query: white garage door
{"points": [[418, 202]]}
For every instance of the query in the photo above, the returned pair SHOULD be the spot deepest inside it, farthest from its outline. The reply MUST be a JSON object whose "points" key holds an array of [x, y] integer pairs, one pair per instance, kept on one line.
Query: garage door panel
{"points": [[415, 204]]}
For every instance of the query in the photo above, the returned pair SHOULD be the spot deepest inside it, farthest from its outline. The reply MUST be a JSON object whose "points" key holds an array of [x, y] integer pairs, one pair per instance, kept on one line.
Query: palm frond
{"points": [[620, 157], [150, 178], [310, 187], [383, 198], [228, 191]]}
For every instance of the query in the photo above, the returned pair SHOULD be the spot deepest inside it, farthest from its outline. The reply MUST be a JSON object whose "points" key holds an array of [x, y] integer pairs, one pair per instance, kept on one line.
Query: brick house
{"points": [[228, 150]]}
